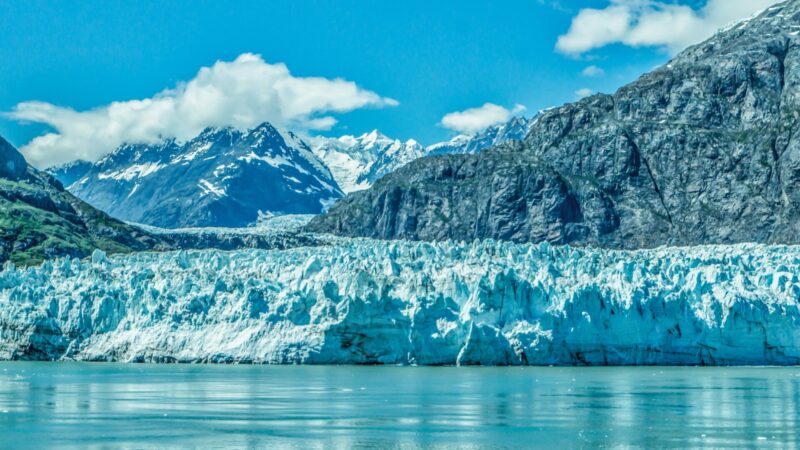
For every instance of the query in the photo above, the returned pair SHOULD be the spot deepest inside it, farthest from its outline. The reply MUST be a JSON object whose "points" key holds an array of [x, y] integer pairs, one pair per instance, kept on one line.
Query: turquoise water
{"points": [[139, 406]]}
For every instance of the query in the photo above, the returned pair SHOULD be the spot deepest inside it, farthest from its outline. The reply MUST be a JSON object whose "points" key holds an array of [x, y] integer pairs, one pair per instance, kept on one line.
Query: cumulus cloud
{"points": [[593, 71], [658, 23], [473, 120], [585, 92], [242, 93]]}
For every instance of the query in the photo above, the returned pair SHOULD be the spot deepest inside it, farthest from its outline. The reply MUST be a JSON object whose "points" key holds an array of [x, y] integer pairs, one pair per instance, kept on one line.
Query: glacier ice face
{"points": [[364, 302]]}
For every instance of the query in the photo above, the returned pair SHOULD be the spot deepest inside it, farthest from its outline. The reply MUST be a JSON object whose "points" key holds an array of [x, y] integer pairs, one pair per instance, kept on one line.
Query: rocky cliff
{"points": [[702, 150]]}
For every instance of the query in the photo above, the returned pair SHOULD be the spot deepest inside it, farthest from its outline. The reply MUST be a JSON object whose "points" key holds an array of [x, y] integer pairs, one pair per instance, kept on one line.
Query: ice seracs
{"points": [[372, 302]]}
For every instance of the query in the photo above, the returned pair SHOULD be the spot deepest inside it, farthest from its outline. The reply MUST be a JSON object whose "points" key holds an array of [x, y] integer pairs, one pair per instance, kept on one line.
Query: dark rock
{"points": [[702, 150], [12, 164]]}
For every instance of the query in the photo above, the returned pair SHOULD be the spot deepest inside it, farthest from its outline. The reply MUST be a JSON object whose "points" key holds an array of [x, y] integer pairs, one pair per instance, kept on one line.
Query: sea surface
{"points": [[103, 405]]}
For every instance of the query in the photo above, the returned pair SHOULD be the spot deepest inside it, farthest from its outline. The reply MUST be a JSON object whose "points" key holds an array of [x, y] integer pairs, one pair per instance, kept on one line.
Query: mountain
{"points": [[71, 172], [223, 177], [357, 162], [702, 150], [41, 220], [514, 130], [12, 164]]}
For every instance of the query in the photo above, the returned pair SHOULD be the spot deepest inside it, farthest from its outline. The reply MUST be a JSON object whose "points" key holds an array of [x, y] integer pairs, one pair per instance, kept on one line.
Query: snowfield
{"points": [[371, 302]]}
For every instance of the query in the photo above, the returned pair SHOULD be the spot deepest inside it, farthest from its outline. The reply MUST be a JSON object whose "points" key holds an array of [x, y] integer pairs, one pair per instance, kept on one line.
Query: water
{"points": [[139, 406]]}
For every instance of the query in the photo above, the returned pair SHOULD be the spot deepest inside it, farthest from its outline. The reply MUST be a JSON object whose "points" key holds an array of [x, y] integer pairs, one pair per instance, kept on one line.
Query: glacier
{"points": [[360, 301]]}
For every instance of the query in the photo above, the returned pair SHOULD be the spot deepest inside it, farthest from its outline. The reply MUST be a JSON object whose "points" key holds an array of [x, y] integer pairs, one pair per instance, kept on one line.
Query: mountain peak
{"points": [[222, 177], [703, 150], [12, 164], [357, 162], [514, 130], [264, 127], [372, 137], [209, 133]]}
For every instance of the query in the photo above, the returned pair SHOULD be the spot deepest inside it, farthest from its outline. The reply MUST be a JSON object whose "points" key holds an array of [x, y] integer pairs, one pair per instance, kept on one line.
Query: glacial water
{"points": [[100, 405]]}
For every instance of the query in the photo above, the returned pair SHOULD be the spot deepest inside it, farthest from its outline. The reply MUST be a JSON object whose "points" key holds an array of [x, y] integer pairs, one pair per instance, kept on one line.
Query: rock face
{"points": [[702, 150], [68, 174], [368, 302], [12, 164], [223, 177], [40, 220]]}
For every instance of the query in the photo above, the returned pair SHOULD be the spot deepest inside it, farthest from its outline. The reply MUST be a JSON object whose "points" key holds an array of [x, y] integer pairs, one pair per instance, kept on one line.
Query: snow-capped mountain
{"points": [[223, 177], [514, 130], [357, 162], [71, 172]]}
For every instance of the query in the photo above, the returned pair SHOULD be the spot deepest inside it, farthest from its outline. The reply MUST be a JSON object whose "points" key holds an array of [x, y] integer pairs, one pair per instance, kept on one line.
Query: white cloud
{"points": [[473, 120], [593, 71], [656, 23], [242, 93], [585, 92]]}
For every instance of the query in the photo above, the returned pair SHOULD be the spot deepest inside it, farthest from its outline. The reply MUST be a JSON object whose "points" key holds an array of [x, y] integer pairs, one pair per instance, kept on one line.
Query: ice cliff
{"points": [[364, 302]]}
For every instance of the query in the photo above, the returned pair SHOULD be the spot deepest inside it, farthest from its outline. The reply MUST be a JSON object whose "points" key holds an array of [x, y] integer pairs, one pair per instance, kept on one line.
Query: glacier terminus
{"points": [[360, 301]]}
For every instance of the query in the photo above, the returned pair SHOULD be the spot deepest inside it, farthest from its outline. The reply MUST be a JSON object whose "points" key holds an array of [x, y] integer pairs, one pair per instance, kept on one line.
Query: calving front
{"points": [[370, 302]]}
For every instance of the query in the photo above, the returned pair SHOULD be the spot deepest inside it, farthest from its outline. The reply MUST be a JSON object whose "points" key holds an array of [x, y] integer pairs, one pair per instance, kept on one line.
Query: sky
{"points": [[80, 77]]}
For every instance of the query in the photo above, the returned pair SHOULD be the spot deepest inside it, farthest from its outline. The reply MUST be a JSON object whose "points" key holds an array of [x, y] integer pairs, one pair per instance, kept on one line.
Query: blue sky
{"points": [[431, 57]]}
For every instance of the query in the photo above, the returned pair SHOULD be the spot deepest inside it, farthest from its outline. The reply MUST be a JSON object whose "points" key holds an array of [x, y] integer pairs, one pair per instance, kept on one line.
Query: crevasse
{"points": [[371, 302]]}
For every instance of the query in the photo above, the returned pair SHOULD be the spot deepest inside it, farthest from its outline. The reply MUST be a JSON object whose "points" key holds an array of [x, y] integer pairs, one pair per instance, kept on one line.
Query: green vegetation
{"points": [[39, 221]]}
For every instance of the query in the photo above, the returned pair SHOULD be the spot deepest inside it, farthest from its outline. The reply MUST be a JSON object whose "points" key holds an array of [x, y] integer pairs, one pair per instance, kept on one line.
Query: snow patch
{"points": [[131, 172], [209, 188]]}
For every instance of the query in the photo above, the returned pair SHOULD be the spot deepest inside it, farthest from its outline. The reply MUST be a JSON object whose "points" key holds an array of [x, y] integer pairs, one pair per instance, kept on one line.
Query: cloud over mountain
{"points": [[473, 120], [241, 93], [639, 23]]}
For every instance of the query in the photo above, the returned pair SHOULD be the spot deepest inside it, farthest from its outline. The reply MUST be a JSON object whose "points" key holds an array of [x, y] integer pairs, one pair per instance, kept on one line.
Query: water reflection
{"points": [[135, 406]]}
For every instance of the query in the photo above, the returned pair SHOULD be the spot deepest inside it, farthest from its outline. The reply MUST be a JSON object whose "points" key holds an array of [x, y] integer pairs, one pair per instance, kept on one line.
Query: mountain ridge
{"points": [[357, 162], [40, 220], [222, 177], [702, 150]]}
